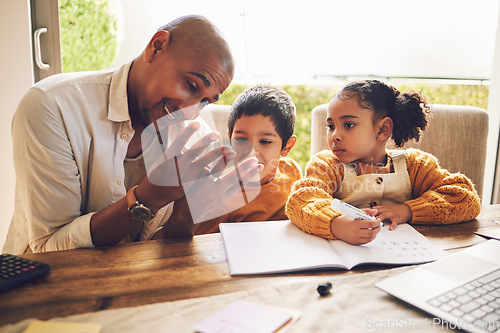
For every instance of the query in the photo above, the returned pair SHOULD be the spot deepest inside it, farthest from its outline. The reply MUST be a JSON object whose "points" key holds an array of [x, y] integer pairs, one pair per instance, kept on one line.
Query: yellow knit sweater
{"points": [[438, 197]]}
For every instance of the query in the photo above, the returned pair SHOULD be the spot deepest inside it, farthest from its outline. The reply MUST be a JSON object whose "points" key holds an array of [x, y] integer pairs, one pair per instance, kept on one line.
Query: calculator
{"points": [[15, 270]]}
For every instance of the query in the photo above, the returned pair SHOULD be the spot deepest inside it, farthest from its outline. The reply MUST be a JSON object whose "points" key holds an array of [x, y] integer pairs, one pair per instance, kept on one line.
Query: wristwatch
{"points": [[140, 212]]}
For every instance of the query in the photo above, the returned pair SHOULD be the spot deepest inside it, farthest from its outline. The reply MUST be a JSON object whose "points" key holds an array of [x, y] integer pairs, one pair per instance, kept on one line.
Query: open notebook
{"points": [[279, 246]]}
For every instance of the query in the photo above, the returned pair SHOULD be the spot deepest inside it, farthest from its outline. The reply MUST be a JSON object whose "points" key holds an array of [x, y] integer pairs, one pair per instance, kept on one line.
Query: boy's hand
{"points": [[355, 231], [395, 213]]}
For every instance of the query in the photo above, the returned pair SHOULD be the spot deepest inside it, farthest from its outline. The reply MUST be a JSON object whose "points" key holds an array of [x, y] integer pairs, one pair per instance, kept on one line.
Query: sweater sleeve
{"points": [[308, 205], [439, 196]]}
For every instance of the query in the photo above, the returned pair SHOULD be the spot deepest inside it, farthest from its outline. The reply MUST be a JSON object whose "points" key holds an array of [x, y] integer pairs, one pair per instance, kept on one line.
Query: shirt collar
{"points": [[118, 100]]}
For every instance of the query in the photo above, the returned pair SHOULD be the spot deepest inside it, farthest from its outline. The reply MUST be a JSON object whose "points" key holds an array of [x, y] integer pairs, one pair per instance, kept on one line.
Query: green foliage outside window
{"points": [[306, 97], [89, 42], [88, 35]]}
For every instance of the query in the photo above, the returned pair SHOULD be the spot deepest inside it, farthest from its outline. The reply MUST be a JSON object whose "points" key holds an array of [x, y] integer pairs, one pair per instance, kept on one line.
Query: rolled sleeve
{"points": [[47, 177], [73, 235]]}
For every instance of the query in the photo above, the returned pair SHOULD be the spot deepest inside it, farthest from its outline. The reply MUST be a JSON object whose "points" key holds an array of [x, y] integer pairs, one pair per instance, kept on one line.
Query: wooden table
{"points": [[88, 280]]}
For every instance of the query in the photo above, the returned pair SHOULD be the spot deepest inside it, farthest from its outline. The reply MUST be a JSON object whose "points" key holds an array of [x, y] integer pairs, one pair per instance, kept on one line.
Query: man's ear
{"points": [[157, 45], [385, 129], [289, 145]]}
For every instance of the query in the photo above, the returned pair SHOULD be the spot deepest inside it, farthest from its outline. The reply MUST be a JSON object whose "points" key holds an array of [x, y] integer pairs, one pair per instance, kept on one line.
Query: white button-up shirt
{"points": [[71, 134]]}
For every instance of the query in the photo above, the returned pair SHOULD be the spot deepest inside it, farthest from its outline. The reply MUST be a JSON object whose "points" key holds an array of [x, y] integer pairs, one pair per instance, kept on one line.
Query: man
{"points": [[80, 174]]}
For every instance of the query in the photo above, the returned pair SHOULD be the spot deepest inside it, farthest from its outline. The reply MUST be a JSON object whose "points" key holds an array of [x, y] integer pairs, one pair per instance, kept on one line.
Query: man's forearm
{"points": [[180, 223], [112, 224]]}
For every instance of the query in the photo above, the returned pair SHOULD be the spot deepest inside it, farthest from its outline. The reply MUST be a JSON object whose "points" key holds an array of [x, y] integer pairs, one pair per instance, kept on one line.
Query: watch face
{"points": [[141, 213]]}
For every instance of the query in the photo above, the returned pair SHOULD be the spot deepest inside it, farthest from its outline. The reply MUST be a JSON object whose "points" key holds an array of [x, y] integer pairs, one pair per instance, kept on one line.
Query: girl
{"points": [[396, 185]]}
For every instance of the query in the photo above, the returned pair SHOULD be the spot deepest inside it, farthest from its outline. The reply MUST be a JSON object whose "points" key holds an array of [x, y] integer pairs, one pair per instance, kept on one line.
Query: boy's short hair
{"points": [[268, 101]]}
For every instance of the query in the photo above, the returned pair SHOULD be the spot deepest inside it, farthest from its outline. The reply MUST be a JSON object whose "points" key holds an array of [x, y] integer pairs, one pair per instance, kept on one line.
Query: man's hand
{"points": [[170, 169], [354, 231], [395, 213], [202, 177]]}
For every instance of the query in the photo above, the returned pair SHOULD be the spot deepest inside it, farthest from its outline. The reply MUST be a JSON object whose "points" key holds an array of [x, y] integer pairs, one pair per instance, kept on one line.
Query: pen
{"points": [[345, 208], [324, 289]]}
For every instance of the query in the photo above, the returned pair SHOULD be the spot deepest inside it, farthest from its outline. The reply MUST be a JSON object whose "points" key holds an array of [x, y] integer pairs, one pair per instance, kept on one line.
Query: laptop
{"points": [[462, 288]]}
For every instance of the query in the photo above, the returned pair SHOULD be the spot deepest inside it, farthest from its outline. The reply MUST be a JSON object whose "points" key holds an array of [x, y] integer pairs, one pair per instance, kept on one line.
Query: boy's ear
{"points": [[289, 145], [228, 135], [385, 129], [157, 45]]}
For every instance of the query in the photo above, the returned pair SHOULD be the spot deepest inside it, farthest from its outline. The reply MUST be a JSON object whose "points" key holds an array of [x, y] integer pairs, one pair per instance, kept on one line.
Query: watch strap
{"points": [[132, 202], [131, 199]]}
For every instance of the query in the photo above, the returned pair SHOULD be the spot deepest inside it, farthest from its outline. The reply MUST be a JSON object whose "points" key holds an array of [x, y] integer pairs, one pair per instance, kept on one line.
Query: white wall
{"points": [[494, 117], [16, 68], [479, 49], [132, 37]]}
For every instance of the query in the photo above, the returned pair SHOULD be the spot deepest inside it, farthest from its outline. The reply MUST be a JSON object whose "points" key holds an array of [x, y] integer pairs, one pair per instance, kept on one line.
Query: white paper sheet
{"points": [[279, 246], [245, 317]]}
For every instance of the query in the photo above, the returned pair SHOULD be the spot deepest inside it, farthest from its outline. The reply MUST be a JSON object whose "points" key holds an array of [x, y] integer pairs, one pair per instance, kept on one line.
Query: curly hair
{"points": [[408, 110]]}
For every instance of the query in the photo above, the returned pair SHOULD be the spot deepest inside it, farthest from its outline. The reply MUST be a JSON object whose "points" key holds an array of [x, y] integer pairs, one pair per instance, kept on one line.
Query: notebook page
{"points": [[274, 246], [403, 245]]}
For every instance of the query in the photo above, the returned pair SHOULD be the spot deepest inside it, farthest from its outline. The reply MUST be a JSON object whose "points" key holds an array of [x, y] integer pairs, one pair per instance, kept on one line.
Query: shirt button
{"points": [[119, 181], [379, 180], [373, 204], [124, 136]]}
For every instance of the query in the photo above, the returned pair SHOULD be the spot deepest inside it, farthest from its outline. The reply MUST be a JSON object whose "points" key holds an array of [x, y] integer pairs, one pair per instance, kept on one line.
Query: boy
{"points": [[261, 122]]}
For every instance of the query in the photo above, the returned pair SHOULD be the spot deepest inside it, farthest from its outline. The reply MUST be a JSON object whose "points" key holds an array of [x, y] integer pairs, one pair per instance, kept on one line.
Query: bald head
{"points": [[195, 36]]}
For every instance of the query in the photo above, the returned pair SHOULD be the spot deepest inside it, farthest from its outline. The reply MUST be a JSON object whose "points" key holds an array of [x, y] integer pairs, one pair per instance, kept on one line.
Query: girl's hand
{"points": [[395, 213], [355, 231]]}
